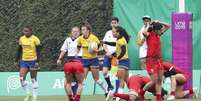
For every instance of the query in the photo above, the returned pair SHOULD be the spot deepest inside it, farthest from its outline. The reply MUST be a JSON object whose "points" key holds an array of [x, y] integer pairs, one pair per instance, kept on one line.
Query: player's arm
{"points": [[165, 27], [38, 51], [173, 83], [18, 53], [63, 51]]}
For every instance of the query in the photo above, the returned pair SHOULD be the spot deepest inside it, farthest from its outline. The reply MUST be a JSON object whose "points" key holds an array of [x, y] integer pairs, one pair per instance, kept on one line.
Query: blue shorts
{"points": [[107, 62], [88, 63], [124, 63], [28, 64]]}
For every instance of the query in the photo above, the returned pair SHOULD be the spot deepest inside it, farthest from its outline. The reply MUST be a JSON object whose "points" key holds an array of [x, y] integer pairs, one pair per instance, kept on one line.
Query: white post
{"points": [[181, 5]]}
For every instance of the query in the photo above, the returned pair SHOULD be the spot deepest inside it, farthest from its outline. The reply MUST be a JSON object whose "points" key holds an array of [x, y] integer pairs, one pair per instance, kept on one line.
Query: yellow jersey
{"points": [[120, 42], [29, 47], [84, 44]]}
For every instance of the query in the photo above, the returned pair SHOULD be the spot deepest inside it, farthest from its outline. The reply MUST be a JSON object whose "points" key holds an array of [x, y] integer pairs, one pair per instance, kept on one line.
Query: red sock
{"points": [[158, 97], [190, 91], [70, 97], [77, 97], [123, 96], [142, 92], [172, 93]]}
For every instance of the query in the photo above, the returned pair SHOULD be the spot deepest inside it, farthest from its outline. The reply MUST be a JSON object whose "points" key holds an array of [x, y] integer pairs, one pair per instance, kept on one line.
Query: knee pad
{"points": [[35, 85]]}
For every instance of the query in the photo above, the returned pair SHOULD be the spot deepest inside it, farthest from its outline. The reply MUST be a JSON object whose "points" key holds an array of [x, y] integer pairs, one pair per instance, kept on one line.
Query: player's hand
{"points": [[59, 62]]}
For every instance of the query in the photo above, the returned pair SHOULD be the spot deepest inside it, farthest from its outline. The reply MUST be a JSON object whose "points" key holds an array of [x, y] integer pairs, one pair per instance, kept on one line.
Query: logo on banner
{"points": [[13, 83], [58, 84], [180, 25]]}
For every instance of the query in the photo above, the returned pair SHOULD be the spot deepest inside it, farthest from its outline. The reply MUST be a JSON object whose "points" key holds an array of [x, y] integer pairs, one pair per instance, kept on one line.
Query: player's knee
{"points": [[35, 85], [24, 83]]}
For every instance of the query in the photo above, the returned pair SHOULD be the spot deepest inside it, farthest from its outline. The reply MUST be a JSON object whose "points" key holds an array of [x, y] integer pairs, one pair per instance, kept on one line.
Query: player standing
{"points": [[28, 55], [153, 61], [109, 51], [89, 44]]}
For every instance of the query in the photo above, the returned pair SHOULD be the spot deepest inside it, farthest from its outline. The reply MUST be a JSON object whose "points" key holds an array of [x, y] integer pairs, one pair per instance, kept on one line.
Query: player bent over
{"points": [[178, 78], [135, 85], [73, 69]]}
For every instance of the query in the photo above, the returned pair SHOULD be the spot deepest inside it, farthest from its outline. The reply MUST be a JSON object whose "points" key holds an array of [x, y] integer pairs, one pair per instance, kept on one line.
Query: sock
{"points": [[120, 90], [107, 79], [25, 85], [101, 84], [172, 93], [123, 96], [77, 98], [70, 97], [142, 92], [190, 91], [35, 88], [117, 84], [74, 87], [158, 97]]}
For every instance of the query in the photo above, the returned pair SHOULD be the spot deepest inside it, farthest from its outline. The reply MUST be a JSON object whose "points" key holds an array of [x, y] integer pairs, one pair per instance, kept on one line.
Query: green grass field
{"points": [[83, 98]]}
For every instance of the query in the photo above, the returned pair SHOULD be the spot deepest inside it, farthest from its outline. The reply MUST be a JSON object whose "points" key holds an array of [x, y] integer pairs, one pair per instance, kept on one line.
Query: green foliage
{"points": [[51, 21]]}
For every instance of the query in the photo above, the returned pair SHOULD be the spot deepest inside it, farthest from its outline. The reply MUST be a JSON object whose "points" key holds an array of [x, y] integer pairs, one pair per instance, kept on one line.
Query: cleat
{"points": [[195, 92], [27, 98], [109, 96], [171, 97]]}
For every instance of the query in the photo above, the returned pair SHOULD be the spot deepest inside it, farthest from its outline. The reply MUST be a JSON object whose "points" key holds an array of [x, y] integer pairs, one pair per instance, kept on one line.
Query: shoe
{"points": [[109, 96], [195, 92], [118, 99], [171, 97], [27, 98]]}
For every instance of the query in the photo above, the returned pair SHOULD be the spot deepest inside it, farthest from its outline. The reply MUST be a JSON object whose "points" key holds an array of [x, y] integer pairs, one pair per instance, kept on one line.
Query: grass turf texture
{"points": [[83, 98]]}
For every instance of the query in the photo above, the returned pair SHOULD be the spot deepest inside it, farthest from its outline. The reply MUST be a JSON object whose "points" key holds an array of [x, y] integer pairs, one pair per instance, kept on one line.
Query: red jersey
{"points": [[137, 82], [167, 66], [154, 45]]}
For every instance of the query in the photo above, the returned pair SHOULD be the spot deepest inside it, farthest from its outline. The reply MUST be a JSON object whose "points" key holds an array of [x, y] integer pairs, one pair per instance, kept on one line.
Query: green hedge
{"points": [[51, 21]]}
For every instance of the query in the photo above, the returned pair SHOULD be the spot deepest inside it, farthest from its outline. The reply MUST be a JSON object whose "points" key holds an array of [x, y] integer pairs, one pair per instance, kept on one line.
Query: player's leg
{"points": [[180, 93], [158, 85], [69, 78], [106, 66], [34, 67], [95, 74], [23, 72], [80, 78]]}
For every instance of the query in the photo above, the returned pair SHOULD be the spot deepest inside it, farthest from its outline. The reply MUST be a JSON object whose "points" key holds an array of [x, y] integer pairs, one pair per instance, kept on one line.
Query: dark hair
{"points": [[115, 18], [123, 33], [155, 26], [29, 27], [87, 25]]}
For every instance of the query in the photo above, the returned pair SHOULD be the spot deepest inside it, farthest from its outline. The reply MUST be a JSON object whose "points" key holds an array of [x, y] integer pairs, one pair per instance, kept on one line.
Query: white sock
{"points": [[120, 90], [34, 88], [25, 85], [102, 85]]}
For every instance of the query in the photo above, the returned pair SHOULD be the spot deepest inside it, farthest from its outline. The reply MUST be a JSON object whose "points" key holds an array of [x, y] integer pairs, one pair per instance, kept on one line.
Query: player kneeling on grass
{"points": [[135, 85], [73, 69], [178, 78]]}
